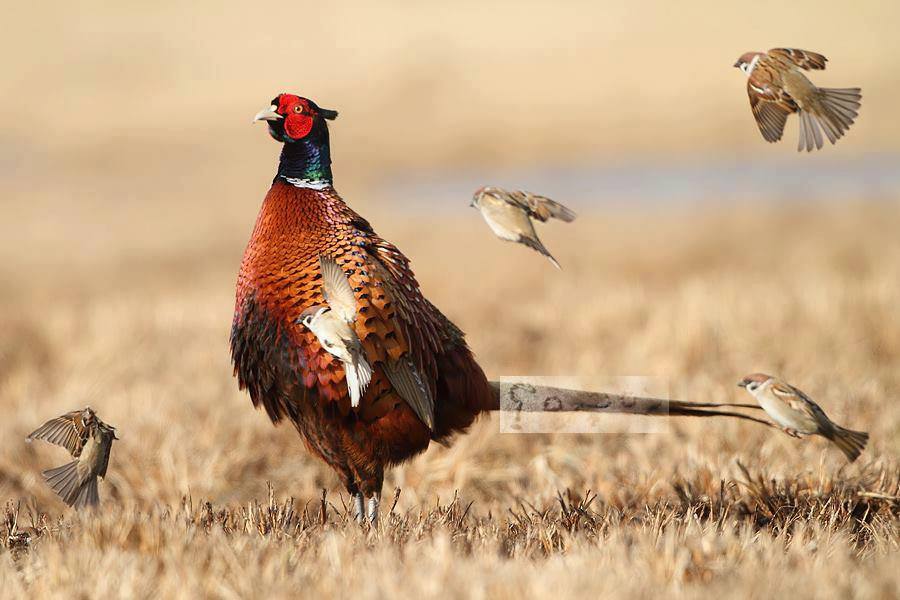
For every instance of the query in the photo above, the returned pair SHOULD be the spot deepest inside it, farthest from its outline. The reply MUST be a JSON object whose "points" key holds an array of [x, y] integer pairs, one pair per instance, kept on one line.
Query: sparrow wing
{"points": [[769, 103], [801, 58], [539, 207], [336, 289], [66, 430], [799, 401]]}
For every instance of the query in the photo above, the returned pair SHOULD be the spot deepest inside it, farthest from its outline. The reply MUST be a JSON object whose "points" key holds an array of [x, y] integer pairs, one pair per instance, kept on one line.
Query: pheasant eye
{"points": [[298, 108]]}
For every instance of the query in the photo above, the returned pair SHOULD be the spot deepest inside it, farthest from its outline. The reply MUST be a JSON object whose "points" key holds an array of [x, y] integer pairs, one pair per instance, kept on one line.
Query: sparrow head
{"points": [[293, 118], [309, 316], [480, 193], [754, 381], [747, 62], [88, 416]]}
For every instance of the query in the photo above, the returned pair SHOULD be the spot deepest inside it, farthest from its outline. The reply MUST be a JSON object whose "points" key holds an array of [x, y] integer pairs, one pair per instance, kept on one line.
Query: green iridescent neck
{"points": [[307, 160]]}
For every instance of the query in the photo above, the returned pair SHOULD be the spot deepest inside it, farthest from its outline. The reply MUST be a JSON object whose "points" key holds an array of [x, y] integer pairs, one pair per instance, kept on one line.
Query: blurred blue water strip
{"points": [[801, 179]]}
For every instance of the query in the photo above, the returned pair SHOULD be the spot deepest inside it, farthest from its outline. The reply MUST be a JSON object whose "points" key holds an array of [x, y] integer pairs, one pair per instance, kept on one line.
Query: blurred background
{"points": [[608, 102], [130, 178]]}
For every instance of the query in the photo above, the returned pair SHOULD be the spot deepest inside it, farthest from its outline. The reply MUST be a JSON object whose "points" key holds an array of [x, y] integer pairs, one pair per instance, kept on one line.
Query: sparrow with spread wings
{"points": [[777, 88], [510, 214], [89, 441]]}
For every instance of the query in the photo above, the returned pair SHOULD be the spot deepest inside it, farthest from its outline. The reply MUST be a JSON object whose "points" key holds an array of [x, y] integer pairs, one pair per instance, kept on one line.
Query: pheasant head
{"points": [[299, 123]]}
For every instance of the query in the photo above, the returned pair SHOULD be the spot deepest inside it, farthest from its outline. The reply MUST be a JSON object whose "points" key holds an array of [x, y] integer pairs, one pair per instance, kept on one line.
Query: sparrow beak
{"points": [[742, 384], [737, 64], [267, 114]]}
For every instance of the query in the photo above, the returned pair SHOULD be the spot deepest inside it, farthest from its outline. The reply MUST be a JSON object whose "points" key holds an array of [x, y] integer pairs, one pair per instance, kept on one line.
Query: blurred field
{"points": [[425, 83], [129, 181], [682, 297]]}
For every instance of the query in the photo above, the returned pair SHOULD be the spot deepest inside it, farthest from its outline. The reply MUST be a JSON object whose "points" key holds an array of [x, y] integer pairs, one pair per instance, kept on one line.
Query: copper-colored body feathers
{"points": [[287, 372]]}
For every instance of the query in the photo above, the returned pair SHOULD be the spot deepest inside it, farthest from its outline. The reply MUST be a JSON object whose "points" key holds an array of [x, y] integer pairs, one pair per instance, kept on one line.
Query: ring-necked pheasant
{"points": [[413, 349]]}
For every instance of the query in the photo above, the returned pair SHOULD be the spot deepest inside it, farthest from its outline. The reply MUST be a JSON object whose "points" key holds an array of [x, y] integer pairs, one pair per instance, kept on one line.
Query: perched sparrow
{"points": [[777, 88], [797, 414], [509, 215], [88, 440], [333, 326]]}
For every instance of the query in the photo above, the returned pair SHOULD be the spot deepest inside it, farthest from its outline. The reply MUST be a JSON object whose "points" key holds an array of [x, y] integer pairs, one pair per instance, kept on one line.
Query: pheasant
{"points": [[425, 384]]}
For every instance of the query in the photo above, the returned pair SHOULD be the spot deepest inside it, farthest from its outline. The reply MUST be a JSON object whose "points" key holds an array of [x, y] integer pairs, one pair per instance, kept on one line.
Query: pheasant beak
{"points": [[268, 114]]}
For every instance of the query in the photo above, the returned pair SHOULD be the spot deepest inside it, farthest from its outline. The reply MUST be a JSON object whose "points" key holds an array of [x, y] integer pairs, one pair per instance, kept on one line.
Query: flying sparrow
{"points": [[510, 214], [798, 415], [333, 327], [777, 89], [89, 441]]}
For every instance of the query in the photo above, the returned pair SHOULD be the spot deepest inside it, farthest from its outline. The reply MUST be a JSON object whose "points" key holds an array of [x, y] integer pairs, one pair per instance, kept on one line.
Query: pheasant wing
{"points": [[407, 340], [408, 383], [399, 328]]}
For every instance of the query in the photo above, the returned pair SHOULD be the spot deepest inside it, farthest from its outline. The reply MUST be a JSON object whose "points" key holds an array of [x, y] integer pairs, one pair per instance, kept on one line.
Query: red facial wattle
{"points": [[297, 126], [298, 117]]}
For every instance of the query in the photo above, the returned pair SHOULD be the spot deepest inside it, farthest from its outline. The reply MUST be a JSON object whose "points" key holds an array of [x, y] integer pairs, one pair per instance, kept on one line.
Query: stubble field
{"points": [[129, 181], [696, 300]]}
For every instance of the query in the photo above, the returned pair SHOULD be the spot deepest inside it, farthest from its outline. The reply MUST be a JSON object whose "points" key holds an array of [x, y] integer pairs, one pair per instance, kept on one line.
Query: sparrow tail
{"points": [[87, 494], [358, 375], [64, 481], [850, 442], [835, 111], [536, 244], [810, 135]]}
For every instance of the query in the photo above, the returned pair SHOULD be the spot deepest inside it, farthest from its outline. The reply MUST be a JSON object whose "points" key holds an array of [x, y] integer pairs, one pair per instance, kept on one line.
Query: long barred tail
{"points": [[530, 398], [835, 113], [851, 443]]}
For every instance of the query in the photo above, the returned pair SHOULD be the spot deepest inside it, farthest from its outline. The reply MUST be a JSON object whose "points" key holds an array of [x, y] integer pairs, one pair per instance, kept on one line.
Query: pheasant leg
{"points": [[359, 509], [372, 509]]}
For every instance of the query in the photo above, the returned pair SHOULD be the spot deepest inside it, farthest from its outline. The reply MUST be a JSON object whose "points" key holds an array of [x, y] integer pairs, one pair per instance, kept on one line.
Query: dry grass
{"points": [[142, 337], [130, 178]]}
